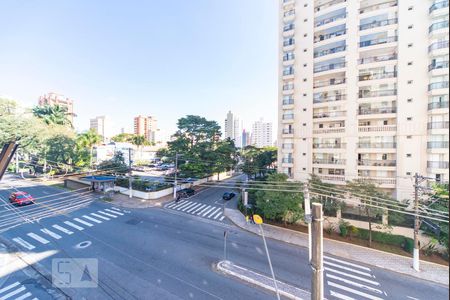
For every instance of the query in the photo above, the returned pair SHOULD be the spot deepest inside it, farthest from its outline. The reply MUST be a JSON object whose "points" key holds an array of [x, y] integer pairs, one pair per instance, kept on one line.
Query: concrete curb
{"points": [[256, 279]]}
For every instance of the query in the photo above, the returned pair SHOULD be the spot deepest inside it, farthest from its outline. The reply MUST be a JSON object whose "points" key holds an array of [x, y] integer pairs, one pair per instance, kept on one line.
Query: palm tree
{"points": [[139, 141], [52, 114], [89, 139]]}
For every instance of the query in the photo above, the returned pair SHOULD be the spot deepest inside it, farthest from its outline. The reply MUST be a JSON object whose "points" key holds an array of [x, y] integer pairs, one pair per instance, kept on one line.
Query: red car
{"points": [[21, 198]]}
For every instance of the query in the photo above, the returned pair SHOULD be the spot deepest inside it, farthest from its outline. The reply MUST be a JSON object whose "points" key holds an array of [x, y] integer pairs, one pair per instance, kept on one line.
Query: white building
{"points": [[262, 134], [102, 126], [364, 90], [233, 129]]}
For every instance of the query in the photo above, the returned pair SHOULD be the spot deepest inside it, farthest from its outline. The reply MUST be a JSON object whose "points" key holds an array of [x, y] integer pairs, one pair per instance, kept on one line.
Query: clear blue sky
{"points": [[162, 58]]}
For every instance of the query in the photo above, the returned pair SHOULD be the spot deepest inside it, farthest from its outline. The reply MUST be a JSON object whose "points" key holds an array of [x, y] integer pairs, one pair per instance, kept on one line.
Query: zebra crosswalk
{"points": [[350, 281], [204, 210], [16, 291], [44, 236]]}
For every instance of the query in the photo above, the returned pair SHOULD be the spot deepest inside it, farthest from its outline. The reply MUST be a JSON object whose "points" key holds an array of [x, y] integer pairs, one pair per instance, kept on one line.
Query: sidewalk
{"points": [[392, 262], [122, 200]]}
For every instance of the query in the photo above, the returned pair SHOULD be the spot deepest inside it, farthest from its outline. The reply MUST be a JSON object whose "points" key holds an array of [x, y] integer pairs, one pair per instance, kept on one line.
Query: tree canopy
{"points": [[258, 161], [52, 114]]}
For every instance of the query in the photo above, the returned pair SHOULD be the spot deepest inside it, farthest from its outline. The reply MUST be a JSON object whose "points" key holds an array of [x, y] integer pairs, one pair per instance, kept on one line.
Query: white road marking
{"points": [[203, 210], [359, 285], [51, 233], [340, 296], [106, 214], [208, 211], [37, 238], [199, 208], [350, 290], [73, 225], [92, 219], [28, 294], [195, 207], [218, 214], [214, 212], [186, 204], [347, 263], [83, 222], [223, 217], [176, 204], [114, 212], [23, 243], [115, 208], [412, 298], [100, 217], [351, 276], [189, 206], [60, 228], [15, 292], [346, 268], [9, 287]]}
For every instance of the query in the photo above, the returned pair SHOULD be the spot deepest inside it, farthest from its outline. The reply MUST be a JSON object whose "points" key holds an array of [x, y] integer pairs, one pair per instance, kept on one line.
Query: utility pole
{"points": [[308, 218], [130, 180], [225, 234], [317, 253], [175, 181], [17, 162], [416, 261]]}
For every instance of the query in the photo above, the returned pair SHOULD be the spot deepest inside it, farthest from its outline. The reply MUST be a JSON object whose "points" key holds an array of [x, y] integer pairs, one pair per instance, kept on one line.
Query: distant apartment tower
{"points": [[58, 99], [245, 138], [148, 127], [101, 125], [364, 91], [233, 129], [261, 134]]}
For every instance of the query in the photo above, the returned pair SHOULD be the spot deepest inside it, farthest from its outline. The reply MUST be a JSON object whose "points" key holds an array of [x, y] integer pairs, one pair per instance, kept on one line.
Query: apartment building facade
{"points": [[102, 126], [233, 129], [148, 127], [262, 134], [52, 98], [363, 91]]}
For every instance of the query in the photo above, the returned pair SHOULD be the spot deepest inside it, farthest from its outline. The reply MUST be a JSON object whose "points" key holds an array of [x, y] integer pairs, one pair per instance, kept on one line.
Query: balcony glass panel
{"points": [[377, 163], [384, 40], [329, 82], [438, 45], [438, 65], [328, 4], [438, 125], [376, 24], [322, 67], [379, 93], [437, 26], [370, 7], [379, 110], [319, 53], [437, 145], [437, 164], [379, 58], [438, 85], [330, 17], [325, 35], [438, 5], [329, 114], [374, 76], [383, 145]]}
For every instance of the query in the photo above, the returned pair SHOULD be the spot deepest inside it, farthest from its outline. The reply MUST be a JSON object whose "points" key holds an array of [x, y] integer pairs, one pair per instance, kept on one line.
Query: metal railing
{"points": [[438, 65], [438, 125], [288, 72], [287, 146], [330, 51], [330, 114], [385, 40], [329, 130], [381, 110], [438, 5], [378, 145], [289, 43], [437, 164], [377, 6], [438, 45], [328, 4], [381, 93], [380, 181], [437, 145], [288, 102], [289, 13], [330, 19], [438, 85], [288, 160], [288, 131], [288, 87], [288, 117], [324, 37], [382, 128], [375, 76], [376, 24], [329, 82], [288, 57], [437, 105], [332, 177], [372, 59], [439, 25], [329, 67], [289, 27], [321, 161], [333, 98], [328, 145], [377, 163]]}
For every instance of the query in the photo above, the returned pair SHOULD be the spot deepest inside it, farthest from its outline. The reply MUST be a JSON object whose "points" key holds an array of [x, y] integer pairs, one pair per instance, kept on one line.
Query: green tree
{"points": [[139, 141], [325, 193], [52, 114], [225, 156], [122, 137], [115, 165], [88, 140], [258, 161], [280, 205]]}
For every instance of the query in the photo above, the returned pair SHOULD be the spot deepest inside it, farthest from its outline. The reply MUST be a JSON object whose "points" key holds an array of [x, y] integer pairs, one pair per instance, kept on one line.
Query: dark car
{"points": [[21, 198], [184, 193], [228, 195]]}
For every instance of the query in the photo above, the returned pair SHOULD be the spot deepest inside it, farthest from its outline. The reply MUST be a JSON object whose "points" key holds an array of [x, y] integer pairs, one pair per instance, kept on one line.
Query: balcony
{"points": [[330, 114], [377, 163], [379, 145], [375, 111], [288, 27], [328, 145], [438, 65], [437, 105], [324, 37], [330, 130], [437, 145], [331, 19], [383, 128], [288, 160], [340, 97], [288, 87], [437, 26], [380, 58], [289, 13], [288, 43], [438, 45], [329, 67], [287, 146], [376, 24], [332, 178], [383, 182], [438, 85], [319, 161], [288, 102], [375, 76], [385, 40], [437, 125], [288, 72], [288, 57], [288, 131], [329, 82], [329, 51], [366, 9], [437, 164], [288, 116], [438, 5], [328, 4], [381, 93]]}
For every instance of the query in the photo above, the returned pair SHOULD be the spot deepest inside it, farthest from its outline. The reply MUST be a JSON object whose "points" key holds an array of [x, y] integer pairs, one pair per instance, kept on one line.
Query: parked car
{"points": [[228, 195], [184, 193], [21, 198]]}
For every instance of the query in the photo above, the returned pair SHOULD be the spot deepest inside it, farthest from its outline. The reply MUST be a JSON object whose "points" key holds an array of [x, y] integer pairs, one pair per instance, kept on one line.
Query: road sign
{"points": [[257, 219]]}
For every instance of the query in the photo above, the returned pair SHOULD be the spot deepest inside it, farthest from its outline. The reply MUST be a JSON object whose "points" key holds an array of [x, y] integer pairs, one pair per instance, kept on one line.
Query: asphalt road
{"points": [[169, 253]]}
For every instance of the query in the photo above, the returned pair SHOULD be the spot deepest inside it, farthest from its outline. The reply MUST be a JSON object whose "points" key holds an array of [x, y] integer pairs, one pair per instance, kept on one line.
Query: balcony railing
{"points": [[288, 131], [287, 146], [385, 40], [437, 164], [288, 116], [377, 163], [438, 5], [375, 24], [437, 26], [330, 114], [331, 19], [437, 105], [289, 13], [321, 161], [288, 72], [438, 125], [438, 45], [330, 98], [373, 111], [288, 101], [437, 145], [324, 37], [381, 93], [375, 76], [288, 160], [288, 57], [377, 6], [438, 65], [372, 59], [332, 177], [379, 145], [438, 85], [329, 67], [288, 27], [383, 128], [328, 145], [329, 51], [288, 87], [289, 43], [328, 4], [380, 181], [329, 82], [329, 130]]}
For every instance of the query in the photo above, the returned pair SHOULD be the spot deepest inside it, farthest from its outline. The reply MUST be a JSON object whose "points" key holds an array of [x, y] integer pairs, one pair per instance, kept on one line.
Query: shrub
{"points": [[408, 245], [353, 230], [343, 228]]}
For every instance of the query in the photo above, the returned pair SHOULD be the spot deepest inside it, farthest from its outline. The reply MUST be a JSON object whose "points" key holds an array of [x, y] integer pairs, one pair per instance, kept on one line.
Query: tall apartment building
{"points": [[58, 99], [102, 126], [364, 90], [233, 129], [262, 134], [147, 126]]}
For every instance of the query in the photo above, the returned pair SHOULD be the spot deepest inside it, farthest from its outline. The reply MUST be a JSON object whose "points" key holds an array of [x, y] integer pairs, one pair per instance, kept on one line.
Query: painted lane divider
{"points": [[12, 285], [92, 219], [114, 212], [38, 238], [73, 225], [51, 233], [213, 212], [100, 217], [15, 292], [24, 296], [60, 228], [83, 222], [23, 243], [194, 208], [347, 263], [107, 214]]}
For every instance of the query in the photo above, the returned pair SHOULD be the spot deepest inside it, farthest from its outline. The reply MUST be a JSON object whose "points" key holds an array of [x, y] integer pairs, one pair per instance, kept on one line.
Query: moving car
{"points": [[186, 193], [21, 198], [228, 195]]}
